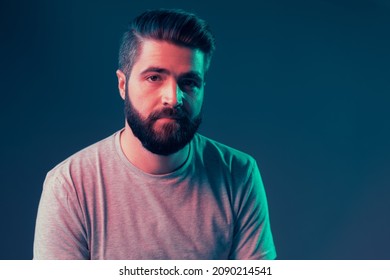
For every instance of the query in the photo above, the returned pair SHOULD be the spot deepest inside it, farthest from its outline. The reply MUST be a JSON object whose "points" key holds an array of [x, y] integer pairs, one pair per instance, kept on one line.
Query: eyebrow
{"points": [[155, 69], [192, 75]]}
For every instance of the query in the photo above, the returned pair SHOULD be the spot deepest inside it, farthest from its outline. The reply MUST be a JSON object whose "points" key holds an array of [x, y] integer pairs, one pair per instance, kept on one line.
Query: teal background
{"points": [[303, 86]]}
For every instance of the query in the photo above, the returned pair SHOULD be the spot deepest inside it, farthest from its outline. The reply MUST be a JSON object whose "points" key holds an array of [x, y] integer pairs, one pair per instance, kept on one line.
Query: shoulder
{"points": [[212, 151], [83, 160]]}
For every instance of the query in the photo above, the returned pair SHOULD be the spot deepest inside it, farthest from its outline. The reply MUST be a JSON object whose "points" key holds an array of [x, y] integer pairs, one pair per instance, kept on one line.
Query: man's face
{"points": [[164, 96]]}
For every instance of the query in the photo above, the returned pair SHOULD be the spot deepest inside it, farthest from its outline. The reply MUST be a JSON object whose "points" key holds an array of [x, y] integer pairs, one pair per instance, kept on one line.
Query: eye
{"points": [[154, 78], [189, 84]]}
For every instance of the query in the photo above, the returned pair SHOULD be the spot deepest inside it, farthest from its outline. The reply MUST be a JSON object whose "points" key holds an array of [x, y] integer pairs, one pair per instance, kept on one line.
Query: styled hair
{"points": [[172, 25]]}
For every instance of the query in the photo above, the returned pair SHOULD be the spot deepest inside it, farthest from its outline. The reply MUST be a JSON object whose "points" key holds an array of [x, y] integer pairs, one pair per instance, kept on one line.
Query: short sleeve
{"points": [[60, 232], [252, 232]]}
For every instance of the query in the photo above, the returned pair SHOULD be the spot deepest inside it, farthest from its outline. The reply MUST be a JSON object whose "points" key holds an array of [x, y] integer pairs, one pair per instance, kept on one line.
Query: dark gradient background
{"points": [[303, 86]]}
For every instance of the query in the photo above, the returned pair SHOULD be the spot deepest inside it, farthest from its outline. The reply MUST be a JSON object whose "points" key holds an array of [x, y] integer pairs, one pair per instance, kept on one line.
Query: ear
{"points": [[121, 83]]}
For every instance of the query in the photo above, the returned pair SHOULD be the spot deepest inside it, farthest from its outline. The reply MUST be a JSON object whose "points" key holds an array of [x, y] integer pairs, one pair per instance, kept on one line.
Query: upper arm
{"points": [[252, 234], [60, 226]]}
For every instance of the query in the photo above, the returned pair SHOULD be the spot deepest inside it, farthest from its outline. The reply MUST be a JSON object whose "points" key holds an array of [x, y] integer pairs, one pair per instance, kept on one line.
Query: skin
{"points": [[163, 75]]}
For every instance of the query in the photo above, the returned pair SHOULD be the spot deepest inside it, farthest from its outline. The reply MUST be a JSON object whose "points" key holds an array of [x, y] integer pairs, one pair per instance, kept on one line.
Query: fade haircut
{"points": [[172, 25]]}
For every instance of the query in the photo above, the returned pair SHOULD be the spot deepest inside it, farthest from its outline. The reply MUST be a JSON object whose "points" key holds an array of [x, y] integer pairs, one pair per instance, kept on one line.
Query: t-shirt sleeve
{"points": [[252, 233], [60, 232]]}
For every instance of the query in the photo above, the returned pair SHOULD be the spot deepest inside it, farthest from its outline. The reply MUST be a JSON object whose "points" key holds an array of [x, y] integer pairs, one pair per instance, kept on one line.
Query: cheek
{"points": [[142, 102], [196, 104]]}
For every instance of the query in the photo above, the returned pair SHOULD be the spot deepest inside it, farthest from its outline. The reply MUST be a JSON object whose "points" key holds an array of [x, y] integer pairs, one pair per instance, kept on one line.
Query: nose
{"points": [[172, 95]]}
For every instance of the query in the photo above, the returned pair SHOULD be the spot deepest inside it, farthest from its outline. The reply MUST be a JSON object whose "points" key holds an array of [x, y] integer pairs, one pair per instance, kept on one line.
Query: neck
{"points": [[146, 160]]}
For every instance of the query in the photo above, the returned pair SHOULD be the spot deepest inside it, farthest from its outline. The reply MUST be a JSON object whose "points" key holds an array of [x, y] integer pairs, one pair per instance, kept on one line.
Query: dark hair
{"points": [[172, 25]]}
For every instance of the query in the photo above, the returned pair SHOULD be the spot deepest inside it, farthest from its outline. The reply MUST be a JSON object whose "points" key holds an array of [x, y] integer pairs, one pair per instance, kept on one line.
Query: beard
{"points": [[171, 137]]}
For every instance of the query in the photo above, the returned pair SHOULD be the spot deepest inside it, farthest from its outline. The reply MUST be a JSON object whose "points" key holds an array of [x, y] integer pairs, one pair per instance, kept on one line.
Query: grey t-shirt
{"points": [[97, 205]]}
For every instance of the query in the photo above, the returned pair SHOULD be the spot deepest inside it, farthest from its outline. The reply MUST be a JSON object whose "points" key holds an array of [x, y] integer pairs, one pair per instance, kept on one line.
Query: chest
{"points": [[186, 221]]}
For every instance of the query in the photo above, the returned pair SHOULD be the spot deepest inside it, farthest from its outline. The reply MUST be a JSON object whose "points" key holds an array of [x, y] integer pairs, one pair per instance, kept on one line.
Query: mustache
{"points": [[168, 112]]}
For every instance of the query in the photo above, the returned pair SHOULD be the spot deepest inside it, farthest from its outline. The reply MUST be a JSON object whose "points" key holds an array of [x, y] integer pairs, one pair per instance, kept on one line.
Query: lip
{"points": [[167, 119]]}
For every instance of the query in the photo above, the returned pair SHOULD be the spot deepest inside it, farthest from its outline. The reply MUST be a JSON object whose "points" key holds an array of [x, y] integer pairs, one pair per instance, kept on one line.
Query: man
{"points": [[156, 189]]}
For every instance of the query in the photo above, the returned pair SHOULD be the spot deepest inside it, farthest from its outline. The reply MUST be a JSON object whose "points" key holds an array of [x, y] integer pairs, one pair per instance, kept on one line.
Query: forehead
{"points": [[166, 55]]}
